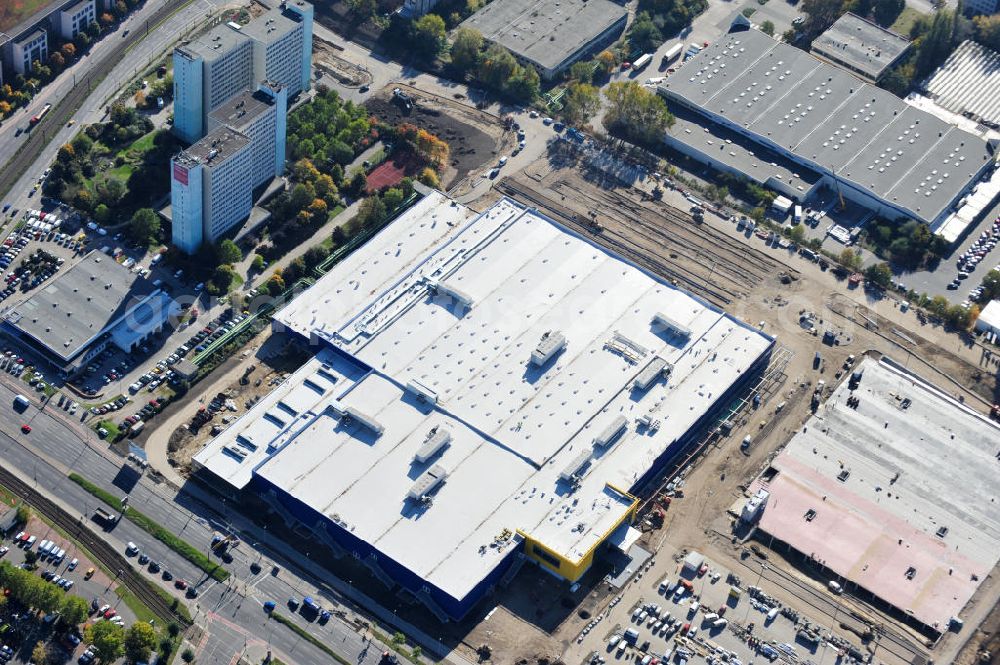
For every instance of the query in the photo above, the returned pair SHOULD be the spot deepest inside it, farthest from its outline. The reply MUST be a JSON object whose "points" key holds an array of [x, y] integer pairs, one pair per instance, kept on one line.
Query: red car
{"points": [[110, 613], [26, 428], [180, 584]]}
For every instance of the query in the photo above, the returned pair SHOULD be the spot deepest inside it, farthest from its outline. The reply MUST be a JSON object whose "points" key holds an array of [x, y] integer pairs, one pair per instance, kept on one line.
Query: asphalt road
{"points": [[230, 612]]}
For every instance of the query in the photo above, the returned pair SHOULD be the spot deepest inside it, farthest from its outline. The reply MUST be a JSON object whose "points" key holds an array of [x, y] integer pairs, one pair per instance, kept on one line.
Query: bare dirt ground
{"points": [[244, 392], [765, 286], [983, 647], [475, 136], [326, 58]]}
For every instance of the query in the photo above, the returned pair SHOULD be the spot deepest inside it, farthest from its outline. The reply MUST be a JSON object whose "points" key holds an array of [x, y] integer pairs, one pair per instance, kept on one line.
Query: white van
{"points": [[796, 214], [664, 585], [771, 615], [711, 617]]}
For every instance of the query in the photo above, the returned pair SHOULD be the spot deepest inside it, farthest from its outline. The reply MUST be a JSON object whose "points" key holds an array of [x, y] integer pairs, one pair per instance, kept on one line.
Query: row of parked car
{"points": [[131, 549]]}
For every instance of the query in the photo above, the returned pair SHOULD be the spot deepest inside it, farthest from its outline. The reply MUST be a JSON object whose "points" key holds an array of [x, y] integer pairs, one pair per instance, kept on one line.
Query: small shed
{"points": [[693, 562]]}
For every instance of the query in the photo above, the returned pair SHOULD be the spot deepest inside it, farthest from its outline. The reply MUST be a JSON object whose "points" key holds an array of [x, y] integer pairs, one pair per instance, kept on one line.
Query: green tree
{"points": [[23, 513], [362, 10], [144, 227], [850, 259], [187, 655], [821, 14], [229, 252], [371, 211], [66, 154], [636, 114], [524, 85], [111, 192], [879, 274], [988, 30], [73, 609], [108, 640], [82, 144], [991, 286], [496, 67], [580, 102], [428, 35], [300, 197], [582, 72], [465, 48], [767, 27], [392, 198], [358, 184], [887, 11], [644, 35], [139, 641], [936, 45], [257, 265], [102, 214]]}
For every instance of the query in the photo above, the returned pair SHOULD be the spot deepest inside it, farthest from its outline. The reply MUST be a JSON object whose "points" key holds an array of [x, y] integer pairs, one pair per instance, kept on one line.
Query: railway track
{"points": [[106, 555], [63, 109]]}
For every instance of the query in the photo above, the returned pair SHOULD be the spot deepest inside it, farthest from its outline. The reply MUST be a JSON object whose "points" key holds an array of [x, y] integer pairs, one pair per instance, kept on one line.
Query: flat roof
{"points": [[989, 318], [968, 83], [820, 114], [861, 45], [449, 304], [66, 313], [214, 148], [546, 32], [272, 25], [242, 109], [73, 9], [215, 43], [883, 478], [755, 162]]}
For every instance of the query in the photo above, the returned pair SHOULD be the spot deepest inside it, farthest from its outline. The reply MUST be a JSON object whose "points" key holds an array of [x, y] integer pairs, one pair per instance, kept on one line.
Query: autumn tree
{"points": [[635, 113], [465, 48], [580, 102]]}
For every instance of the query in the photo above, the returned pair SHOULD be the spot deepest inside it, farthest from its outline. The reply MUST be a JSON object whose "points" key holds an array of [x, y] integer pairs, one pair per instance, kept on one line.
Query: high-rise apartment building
{"points": [[209, 189], [276, 46], [260, 116], [212, 182]]}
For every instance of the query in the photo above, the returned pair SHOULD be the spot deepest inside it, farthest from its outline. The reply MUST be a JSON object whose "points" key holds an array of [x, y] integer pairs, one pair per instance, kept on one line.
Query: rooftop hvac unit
{"points": [[446, 289], [421, 391], [436, 440], [233, 451], [671, 326], [552, 342], [364, 419], [426, 482], [611, 432], [574, 468], [651, 373]]}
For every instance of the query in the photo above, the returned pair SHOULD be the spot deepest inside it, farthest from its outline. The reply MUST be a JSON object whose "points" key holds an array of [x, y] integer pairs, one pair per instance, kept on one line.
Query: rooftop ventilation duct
{"points": [[551, 343], [435, 442]]}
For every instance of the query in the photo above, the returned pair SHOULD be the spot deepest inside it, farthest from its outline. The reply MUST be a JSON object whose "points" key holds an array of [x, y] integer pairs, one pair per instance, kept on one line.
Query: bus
{"points": [[672, 53], [41, 114], [641, 62]]}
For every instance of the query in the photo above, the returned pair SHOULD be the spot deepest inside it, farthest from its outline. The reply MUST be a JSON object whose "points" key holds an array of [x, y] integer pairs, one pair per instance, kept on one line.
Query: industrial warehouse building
{"points": [[488, 389], [96, 302], [894, 496], [768, 98], [550, 34]]}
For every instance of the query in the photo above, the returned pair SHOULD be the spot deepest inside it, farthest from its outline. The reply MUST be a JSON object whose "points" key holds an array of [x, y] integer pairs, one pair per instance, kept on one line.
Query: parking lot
{"points": [[708, 614], [62, 563]]}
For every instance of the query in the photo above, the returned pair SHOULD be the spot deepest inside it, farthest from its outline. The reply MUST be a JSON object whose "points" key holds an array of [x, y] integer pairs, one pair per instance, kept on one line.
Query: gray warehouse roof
{"points": [[861, 45], [821, 115], [68, 312], [546, 32]]}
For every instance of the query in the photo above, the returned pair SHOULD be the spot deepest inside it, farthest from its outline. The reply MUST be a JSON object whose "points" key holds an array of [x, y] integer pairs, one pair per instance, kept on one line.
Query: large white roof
{"points": [[456, 308]]}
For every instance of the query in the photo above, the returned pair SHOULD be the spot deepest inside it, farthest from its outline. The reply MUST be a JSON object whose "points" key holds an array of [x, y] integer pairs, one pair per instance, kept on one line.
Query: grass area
{"points": [[112, 429], [12, 13], [154, 529], [140, 146], [905, 21], [400, 647], [308, 637], [142, 613]]}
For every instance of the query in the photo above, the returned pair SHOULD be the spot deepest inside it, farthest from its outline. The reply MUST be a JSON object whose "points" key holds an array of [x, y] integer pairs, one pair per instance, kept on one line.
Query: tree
{"points": [[496, 67], [139, 641], [636, 114], [102, 214], [144, 227], [258, 263], [108, 640], [187, 655], [84, 200], [392, 198], [887, 11], [39, 655], [111, 191], [525, 84], [74, 609], [300, 197], [229, 252], [68, 51], [581, 71], [358, 184], [23, 513], [362, 10], [428, 35], [879, 274], [580, 102], [56, 61], [5, 108], [430, 178], [82, 144], [767, 27], [465, 48], [991, 286], [66, 154], [936, 45], [850, 259], [988, 30], [607, 62], [821, 14], [644, 35], [371, 211]]}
